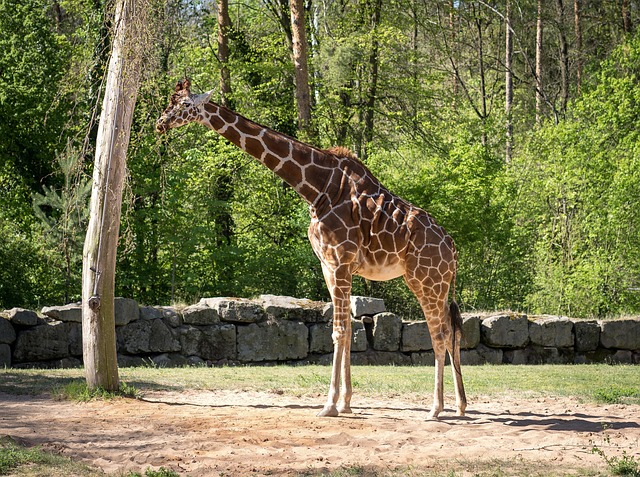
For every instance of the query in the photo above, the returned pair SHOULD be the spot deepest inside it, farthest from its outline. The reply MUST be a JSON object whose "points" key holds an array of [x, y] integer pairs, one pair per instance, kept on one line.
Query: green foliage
{"points": [[583, 181], [555, 230]]}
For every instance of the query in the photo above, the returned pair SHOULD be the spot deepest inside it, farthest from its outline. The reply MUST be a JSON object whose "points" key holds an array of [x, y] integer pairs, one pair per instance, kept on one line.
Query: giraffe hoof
{"points": [[328, 411], [344, 409], [433, 415]]}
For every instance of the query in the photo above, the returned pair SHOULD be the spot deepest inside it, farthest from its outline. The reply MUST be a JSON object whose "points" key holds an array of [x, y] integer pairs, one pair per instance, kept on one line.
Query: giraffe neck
{"points": [[303, 167]]}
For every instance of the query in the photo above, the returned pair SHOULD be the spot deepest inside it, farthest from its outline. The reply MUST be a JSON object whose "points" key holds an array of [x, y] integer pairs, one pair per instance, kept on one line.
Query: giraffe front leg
{"points": [[438, 389], [344, 402], [339, 398]]}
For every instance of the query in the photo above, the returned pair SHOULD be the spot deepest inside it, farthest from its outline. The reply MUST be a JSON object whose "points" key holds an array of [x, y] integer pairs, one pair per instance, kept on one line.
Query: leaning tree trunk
{"points": [[224, 24], [299, 53], [508, 81], [99, 256]]}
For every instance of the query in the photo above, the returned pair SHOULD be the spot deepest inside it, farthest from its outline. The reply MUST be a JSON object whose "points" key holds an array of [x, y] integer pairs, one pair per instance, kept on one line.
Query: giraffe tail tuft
{"points": [[456, 324]]}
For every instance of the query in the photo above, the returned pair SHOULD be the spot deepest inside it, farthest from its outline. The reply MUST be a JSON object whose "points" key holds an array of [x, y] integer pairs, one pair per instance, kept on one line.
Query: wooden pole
{"points": [[99, 256]]}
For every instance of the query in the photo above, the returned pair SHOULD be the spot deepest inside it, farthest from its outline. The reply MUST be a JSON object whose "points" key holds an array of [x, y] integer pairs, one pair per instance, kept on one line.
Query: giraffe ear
{"points": [[183, 85], [202, 98]]}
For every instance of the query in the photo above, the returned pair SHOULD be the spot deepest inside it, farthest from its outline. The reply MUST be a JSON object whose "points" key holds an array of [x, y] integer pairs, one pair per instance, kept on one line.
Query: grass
{"points": [[601, 384], [597, 383]]}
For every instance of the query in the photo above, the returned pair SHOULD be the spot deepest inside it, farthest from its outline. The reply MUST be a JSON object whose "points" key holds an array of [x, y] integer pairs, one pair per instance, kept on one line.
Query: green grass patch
{"points": [[23, 461], [597, 383], [77, 390], [617, 395]]}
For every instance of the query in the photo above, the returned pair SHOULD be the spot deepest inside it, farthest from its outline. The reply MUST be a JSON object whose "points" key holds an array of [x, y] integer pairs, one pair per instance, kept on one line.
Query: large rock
{"points": [[387, 328], [126, 310], [620, 334], [415, 336], [42, 343], [296, 309], [470, 332], [146, 336], [362, 305], [551, 331], [22, 317], [67, 313], [74, 338], [320, 341], [480, 355], [587, 335], [200, 314], [536, 354], [505, 331], [7, 332], [270, 341], [5, 355], [236, 310], [214, 342]]}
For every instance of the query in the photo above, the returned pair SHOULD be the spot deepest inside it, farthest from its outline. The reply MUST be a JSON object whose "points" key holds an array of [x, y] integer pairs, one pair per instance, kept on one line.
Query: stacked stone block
{"points": [[275, 329]]}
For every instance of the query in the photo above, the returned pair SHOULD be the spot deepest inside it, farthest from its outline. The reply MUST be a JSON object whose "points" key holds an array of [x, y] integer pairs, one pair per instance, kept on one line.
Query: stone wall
{"points": [[270, 329]]}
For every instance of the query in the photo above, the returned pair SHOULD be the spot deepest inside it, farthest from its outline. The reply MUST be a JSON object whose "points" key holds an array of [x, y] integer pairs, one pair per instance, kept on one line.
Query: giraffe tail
{"points": [[456, 324]]}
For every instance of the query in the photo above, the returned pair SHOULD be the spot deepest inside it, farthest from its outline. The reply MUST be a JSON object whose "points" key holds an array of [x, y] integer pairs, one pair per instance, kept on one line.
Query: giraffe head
{"points": [[183, 108]]}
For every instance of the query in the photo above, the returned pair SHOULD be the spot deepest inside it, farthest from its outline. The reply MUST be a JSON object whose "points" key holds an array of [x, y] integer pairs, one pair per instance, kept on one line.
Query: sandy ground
{"points": [[226, 433]]}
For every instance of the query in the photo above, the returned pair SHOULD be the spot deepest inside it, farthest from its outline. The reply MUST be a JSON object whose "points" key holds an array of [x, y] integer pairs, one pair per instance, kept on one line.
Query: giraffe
{"points": [[357, 227]]}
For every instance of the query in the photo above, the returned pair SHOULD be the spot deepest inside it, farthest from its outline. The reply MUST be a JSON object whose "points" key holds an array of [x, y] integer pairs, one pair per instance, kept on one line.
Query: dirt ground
{"points": [[205, 433]]}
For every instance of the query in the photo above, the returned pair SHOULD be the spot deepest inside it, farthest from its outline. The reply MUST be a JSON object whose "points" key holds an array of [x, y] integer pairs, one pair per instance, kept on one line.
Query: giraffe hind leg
{"points": [[454, 352]]}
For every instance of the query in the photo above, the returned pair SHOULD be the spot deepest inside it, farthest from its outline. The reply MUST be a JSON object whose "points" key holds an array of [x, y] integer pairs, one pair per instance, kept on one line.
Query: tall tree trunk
{"points": [[372, 89], [224, 24], [564, 58], [539, 29], [299, 48], [508, 81], [577, 21], [99, 256], [627, 26], [481, 72]]}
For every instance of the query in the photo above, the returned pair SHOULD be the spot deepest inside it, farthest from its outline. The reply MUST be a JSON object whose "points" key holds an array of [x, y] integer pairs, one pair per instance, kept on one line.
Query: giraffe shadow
{"points": [[575, 422]]}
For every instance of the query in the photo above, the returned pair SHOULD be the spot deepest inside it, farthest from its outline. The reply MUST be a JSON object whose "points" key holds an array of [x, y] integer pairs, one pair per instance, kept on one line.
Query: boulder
{"points": [[362, 305], [320, 337], [200, 314], [481, 355], [587, 335], [620, 334], [270, 341], [146, 336], [5, 355], [126, 310], [470, 332], [296, 309], [74, 337], [415, 336], [7, 332], [213, 342], [22, 317], [380, 358], [423, 359], [535, 354], [505, 331], [236, 310], [170, 360], [42, 343], [551, 331], [387, 328], [67, 313]]}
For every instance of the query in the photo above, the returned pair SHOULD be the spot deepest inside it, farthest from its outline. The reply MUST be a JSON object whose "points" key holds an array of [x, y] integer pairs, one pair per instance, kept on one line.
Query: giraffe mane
{"points": [[341, 151]]}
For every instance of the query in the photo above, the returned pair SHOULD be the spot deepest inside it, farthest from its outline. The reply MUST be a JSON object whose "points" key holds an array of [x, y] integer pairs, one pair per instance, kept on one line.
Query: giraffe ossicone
{"points": [[357, 227]]}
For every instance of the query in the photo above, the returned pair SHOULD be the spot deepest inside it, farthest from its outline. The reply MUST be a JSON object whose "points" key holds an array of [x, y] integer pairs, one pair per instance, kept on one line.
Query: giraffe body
{"points": [[357, 227]]}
